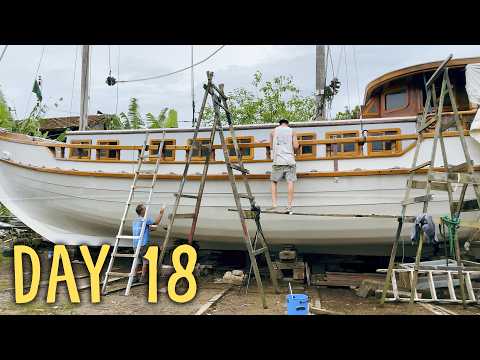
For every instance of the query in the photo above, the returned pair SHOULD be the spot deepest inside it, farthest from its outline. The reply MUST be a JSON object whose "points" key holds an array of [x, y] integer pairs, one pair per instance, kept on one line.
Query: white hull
{"points": [[80, 209]]}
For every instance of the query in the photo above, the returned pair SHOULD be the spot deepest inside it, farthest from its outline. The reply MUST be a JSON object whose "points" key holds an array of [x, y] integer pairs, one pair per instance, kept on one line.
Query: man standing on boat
{"points": [[284, 143], [145, 242]]}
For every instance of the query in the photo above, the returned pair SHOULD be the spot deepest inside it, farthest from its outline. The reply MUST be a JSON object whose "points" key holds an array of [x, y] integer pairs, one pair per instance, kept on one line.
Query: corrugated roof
{"points": [[70, 122]]}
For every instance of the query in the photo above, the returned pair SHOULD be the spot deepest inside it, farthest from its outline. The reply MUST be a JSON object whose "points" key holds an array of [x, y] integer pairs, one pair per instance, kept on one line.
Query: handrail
{"points": [[367, 139]]}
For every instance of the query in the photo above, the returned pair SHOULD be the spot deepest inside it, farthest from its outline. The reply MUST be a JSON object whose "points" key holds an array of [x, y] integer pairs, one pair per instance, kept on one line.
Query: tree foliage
{"points": [[348, 114], [268, 102]]}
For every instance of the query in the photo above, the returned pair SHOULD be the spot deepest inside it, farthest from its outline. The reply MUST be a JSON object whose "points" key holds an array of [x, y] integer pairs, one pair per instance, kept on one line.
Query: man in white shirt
{"points": [[284, 143]]}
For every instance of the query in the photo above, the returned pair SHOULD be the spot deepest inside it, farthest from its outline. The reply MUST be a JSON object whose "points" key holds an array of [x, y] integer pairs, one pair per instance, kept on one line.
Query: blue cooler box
{"points": [[297, 304]]}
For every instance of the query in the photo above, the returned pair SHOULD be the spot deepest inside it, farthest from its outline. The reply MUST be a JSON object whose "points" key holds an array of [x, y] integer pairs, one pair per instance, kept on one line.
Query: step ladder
{"points": [[142, 156], [437, 181], [219, 101]]}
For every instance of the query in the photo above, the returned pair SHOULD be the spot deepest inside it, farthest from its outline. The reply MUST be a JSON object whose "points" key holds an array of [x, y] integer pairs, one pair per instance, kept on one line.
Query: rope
{"points": [[35, 77], [73, 82], [3, 52], [176, 71], [193, 89], [346, 75], [356, 77]]}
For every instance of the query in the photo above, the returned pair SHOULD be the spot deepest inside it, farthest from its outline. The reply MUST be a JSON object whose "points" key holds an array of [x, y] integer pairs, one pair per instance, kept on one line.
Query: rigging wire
{"points": [[356, 75], [118, 74], [3, 52], [346, 76], [35, 77], [176, 71], [109, 61], [193, 88], [73, 82]]}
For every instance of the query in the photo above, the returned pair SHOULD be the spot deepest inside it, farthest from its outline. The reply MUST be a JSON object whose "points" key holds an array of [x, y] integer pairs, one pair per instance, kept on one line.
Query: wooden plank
{"points": [[421, 166], [468, 205], [418, 199], [203, 309], [468, 283], [451, 289], [434, 185], [460, 167], [437, 310], [321, 311], [457, 178]]}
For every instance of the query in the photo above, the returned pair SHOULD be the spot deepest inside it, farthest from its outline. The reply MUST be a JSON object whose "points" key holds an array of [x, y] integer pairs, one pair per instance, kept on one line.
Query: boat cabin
{"points": [[402, 92]]}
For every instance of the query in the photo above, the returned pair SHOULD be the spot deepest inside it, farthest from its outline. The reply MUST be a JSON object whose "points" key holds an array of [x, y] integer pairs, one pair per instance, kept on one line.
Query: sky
{"points": [[234, 65]]}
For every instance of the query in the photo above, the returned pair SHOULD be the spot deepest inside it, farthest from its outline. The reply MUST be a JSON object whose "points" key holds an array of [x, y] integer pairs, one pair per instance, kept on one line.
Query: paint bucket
{"points": [[297, 304]]}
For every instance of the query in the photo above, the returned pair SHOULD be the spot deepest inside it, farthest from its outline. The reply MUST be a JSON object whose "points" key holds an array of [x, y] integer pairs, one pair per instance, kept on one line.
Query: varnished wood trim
{"points": [[80, 143], [105, 142], [313, 154], [398, 144], [155, 143], [221, 176], [347, 154], [229, 143]]}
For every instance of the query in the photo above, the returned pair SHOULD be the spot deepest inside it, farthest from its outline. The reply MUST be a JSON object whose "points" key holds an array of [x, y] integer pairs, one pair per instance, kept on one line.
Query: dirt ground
{"points": [[235, 302]]}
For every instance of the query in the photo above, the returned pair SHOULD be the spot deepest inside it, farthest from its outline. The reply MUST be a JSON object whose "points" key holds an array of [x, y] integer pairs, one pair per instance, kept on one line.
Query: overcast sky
{"points": [[234, 66]]}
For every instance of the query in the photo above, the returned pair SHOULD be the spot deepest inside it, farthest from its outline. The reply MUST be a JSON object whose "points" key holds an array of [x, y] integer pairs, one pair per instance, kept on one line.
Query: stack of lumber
{"points": [[343, 279]]}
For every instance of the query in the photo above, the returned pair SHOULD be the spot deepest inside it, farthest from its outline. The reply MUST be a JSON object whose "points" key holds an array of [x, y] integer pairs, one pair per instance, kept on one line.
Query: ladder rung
{"points": [[246, 196], [434, 185], [259, 251], [448, 124], [427, 124], [460, 167], [239, 168], [185, 216], [142, 186], [186, 196], [418, 199], [421, 166], [121, 274], [124, 255], [128, 237]]}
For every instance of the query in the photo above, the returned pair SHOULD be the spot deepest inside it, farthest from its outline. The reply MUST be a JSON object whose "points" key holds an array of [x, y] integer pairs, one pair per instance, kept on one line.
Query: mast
{"points": [[83, 124], [319, 80]]}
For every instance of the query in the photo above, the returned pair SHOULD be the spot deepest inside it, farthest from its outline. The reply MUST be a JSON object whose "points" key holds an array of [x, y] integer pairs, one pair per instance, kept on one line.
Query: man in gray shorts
{"points": [[284, 144]]}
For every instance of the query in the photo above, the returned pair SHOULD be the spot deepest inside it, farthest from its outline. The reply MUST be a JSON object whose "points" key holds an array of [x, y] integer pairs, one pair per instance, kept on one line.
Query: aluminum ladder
{"points": [[120, 235], [438, 181], [220, 102]]}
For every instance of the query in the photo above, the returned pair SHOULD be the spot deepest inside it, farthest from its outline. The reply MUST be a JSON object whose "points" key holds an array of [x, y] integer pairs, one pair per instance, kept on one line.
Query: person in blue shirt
{"points": [[151, 225]]}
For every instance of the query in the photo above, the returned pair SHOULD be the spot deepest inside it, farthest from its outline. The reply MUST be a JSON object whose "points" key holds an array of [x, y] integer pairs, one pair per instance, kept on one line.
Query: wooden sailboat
{"points": [[74, 192]]}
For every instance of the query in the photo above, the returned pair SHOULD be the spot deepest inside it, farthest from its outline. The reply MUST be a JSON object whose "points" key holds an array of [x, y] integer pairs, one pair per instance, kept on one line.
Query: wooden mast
{"points": [[83, 124], [319, 81]]}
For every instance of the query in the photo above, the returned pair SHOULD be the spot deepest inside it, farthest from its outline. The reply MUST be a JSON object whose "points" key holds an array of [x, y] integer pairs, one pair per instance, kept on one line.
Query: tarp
{"points": [[472, 77]]}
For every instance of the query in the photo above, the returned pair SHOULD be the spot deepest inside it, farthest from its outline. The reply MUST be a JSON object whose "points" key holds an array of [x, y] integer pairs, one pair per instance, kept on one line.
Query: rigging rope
{"points": [[73, 82], [35, 77], [193, 89], [346, 75], [118, 74], [3, 52], [176, 71]]}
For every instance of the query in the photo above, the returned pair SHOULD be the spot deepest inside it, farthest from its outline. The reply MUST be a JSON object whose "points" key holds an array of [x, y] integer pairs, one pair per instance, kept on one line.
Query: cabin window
{"points": [[78, 153], [167, 154], [307, 151], [372, 108], [247, 152], [201, 153], [108, 154], [384, 147], [396, 99], [345, 149]]}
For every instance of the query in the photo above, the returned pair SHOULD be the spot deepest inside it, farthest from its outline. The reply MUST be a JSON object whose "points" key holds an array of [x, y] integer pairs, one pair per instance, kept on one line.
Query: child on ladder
{"points": [[136, 230]]}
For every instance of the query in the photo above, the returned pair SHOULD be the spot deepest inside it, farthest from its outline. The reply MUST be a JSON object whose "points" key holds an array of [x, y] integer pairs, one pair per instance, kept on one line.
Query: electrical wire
{"points": [[73, 82], [193, 88], [3, 52], [346, 76], [176, 71]]}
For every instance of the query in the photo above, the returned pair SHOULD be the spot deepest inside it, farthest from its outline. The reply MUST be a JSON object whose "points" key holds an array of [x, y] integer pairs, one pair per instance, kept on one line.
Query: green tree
{"points": [[133, 119], [269, 102], [157, 122], [172, 119], [348, 114]]}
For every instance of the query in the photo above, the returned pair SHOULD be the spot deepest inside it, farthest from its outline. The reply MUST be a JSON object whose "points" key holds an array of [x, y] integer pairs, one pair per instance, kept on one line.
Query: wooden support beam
{"points": [[421, 166], [463, 167], [435, 185], [468, 205], [203, 309], [418, 199]]}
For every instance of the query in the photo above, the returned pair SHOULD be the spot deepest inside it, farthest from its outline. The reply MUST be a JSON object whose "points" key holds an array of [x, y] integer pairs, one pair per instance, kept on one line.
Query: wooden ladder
{"points": [[120, 235], [437, 181], [220, 103]]}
